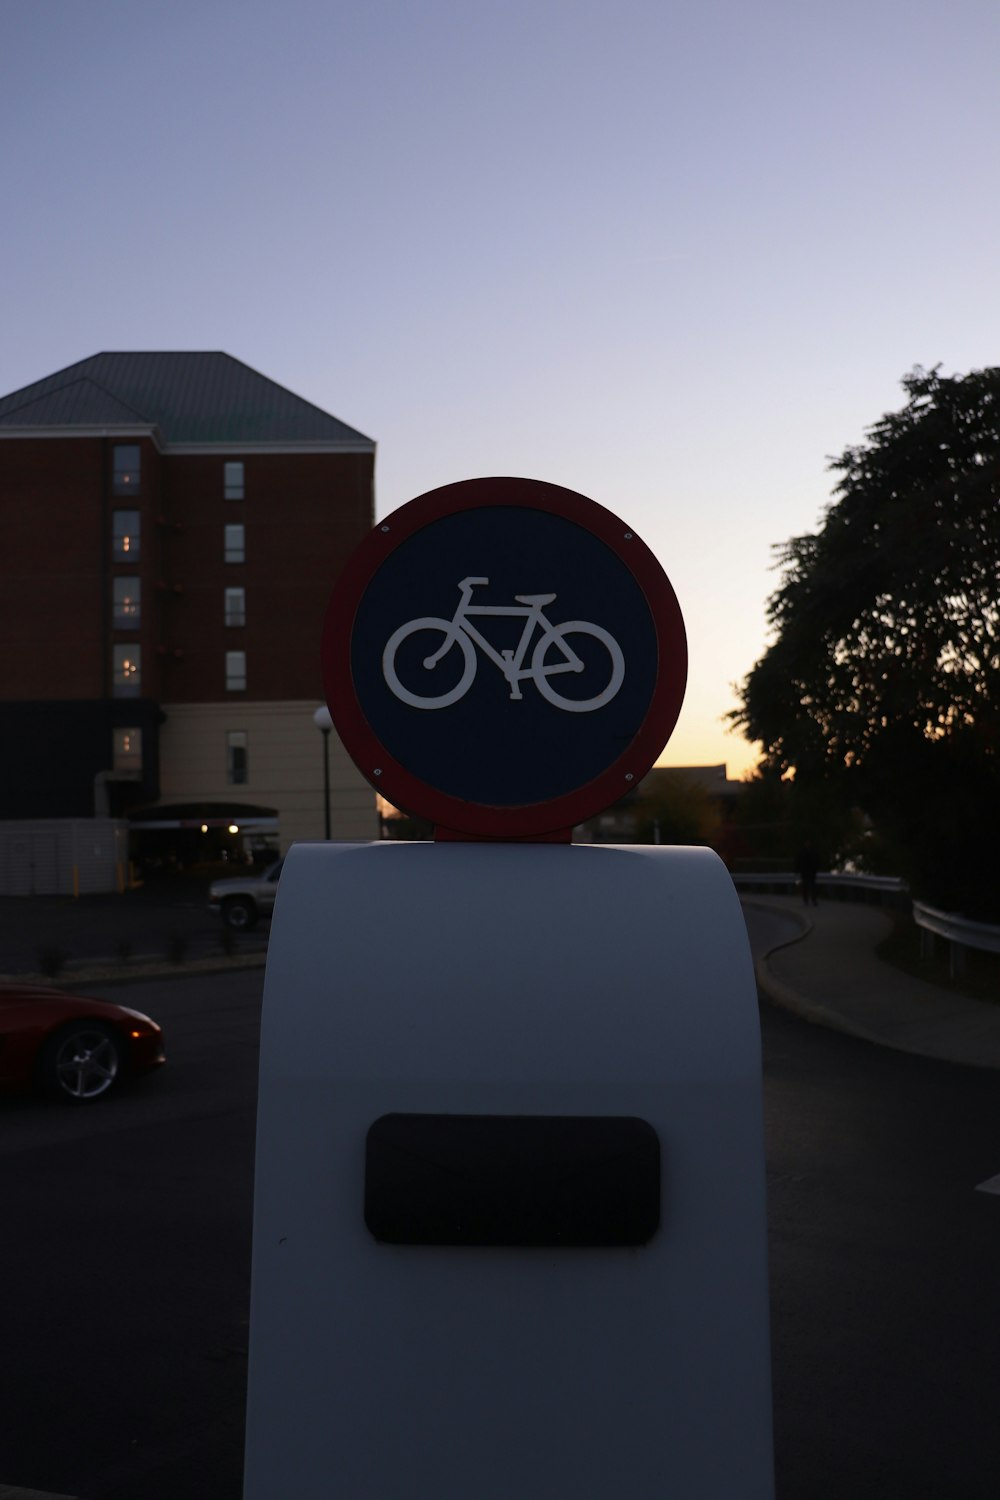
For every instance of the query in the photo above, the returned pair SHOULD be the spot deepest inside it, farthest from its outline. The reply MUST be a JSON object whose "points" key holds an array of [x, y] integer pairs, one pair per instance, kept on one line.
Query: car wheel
{"points": [[239, 913], [83, 1062]]}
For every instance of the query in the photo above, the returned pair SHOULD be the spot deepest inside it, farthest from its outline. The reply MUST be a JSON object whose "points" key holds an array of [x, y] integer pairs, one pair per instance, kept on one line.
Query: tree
{"points": [[672, 810], [775, 817], [883, 678]]}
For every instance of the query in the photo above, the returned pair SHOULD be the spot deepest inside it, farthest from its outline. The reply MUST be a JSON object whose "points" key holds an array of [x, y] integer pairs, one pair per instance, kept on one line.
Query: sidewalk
{"points": [[830, 974]]}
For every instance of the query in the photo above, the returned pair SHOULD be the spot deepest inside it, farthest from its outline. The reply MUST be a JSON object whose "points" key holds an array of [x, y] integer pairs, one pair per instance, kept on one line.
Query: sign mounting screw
{"points": [[383, 528], [377, 771]]}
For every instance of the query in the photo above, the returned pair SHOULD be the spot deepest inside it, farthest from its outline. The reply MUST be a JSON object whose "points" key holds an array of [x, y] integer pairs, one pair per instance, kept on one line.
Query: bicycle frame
{"points": [[510, 661]]}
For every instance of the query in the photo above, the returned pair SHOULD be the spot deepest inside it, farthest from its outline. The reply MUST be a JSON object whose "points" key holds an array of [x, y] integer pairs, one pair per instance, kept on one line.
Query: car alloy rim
{"points": [[87, 1064]]}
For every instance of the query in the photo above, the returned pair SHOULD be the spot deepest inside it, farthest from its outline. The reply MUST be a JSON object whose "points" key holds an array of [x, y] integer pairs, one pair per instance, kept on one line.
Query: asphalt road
{"points": [[125, 1260], [885, 1293], [125, 1250]]}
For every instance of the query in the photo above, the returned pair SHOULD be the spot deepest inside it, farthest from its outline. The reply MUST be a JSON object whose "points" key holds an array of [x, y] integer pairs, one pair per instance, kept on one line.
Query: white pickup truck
{"points": [[244, 899]]}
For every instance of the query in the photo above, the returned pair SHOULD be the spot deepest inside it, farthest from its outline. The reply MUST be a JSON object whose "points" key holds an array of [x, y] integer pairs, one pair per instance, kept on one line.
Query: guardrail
{"points": [[882, 887], [961, 933]]}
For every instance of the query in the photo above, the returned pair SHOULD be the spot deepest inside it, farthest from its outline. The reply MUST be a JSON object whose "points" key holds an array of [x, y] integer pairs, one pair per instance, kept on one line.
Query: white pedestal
{"points": [[476, 979]]}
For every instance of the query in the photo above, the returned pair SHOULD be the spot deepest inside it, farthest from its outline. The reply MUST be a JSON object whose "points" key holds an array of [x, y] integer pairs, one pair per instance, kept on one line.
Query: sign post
{"points": [[509, 1234], [504, 656]]}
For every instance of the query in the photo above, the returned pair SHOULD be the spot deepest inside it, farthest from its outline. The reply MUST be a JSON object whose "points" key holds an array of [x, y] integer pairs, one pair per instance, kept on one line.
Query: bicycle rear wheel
{"points": [[426, 661]]}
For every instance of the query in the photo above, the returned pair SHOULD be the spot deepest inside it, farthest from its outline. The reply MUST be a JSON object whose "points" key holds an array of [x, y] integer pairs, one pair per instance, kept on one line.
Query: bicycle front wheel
{"points": [[554, 656], [417, 657]]}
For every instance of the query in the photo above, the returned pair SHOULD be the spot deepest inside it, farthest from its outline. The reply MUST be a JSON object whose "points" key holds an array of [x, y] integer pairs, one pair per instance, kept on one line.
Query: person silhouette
{"points": [[807, 868]]}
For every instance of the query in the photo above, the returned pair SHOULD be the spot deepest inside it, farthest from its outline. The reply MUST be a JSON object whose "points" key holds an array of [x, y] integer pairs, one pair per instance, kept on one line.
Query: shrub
{"points": [[51, 959], [177, 945]]}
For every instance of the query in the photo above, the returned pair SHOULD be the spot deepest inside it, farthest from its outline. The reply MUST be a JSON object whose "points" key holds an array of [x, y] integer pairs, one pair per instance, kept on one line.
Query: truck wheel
{"points": [[239, 913]]}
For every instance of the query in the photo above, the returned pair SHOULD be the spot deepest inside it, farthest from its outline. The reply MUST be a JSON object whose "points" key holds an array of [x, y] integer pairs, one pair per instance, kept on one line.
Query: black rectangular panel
{"points": [[558, 1180]]}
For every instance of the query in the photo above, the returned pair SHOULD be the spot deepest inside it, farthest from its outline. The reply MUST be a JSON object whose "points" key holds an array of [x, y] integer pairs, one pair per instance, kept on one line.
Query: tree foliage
{"points": [[676, 811], [884, 674], [774, 818]]}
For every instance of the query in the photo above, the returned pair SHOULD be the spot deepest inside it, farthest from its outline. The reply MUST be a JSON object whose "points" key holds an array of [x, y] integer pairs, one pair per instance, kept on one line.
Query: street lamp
{"points": [[323, 722]]}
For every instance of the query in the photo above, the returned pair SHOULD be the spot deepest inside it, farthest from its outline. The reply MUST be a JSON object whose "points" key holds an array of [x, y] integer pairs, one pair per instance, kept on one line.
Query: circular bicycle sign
{"points": [[504, 657]]}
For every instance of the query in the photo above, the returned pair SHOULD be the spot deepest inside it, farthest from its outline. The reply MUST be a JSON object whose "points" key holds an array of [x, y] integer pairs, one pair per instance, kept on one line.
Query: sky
{"points": [[671, 255]]}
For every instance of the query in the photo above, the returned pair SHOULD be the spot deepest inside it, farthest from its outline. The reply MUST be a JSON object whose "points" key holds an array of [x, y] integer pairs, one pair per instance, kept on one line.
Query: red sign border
{"points": [[398, 785]]}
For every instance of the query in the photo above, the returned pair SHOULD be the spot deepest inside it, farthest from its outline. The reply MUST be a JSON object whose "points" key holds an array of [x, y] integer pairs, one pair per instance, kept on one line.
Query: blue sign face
{"points": [[504, 655]]}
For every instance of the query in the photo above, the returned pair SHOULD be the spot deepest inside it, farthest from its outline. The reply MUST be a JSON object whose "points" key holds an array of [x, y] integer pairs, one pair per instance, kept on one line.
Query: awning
{"points": [[245, 824]]}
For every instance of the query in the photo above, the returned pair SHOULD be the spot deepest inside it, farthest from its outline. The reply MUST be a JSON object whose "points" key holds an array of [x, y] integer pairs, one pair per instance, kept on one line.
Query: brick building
{"points": [[171, 525]]}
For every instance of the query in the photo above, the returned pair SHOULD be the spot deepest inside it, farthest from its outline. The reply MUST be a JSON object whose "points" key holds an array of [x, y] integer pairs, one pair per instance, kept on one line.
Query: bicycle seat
{"points": [[538, 599]]}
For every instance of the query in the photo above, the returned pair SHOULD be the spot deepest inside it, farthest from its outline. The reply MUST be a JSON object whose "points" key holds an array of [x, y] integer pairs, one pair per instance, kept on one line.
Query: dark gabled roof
{"points": [[188, 397], [78, 403]]}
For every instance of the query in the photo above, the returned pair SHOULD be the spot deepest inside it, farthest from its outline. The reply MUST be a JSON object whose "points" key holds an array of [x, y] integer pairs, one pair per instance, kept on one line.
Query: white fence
{"points": [[62, 856]]}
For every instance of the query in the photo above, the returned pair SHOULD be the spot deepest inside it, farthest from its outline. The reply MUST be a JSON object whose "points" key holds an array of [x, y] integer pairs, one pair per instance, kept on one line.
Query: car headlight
{"points": [[137, 1015]]}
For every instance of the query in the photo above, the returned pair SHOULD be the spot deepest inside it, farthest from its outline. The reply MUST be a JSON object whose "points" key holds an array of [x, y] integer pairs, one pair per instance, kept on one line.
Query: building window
{"points": [[236, 671], [125, 472], [235, 542], [236, 757], [126, 612], [127, 679], [125, 535], [127, 749], [236, 606], [233, 481]]}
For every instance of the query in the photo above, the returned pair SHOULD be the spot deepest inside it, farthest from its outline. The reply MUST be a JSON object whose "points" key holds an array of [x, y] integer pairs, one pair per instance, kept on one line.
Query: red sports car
{"points": [[74, 1047]]}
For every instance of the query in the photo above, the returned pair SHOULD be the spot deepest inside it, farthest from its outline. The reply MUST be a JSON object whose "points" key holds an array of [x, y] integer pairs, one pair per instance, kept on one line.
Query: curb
{"points": [[15, 1492], [792, 1000], [113, 971]]}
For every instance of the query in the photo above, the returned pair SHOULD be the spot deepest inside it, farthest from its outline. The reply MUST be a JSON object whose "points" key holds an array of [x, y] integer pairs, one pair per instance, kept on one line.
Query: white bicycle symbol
{"points": [[530, 607]]}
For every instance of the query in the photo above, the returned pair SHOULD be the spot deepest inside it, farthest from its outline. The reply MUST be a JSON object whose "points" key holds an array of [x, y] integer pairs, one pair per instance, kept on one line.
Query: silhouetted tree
{"points": [[676, 812], [883, 679], [774, 818]]}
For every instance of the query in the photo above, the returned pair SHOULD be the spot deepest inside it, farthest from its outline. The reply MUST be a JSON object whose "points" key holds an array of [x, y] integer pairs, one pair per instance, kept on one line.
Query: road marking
{"points": [[14, 1492], [991, 1185]]}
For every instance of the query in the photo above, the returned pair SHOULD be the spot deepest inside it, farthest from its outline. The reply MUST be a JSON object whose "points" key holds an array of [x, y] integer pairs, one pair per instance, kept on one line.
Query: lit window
{"points": [[233, 481], [127, 749], [236, 606], [125, 535], [235, 542], [236, 671], [125, 471], [126, 611], [127, 679], [236, 757]]}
